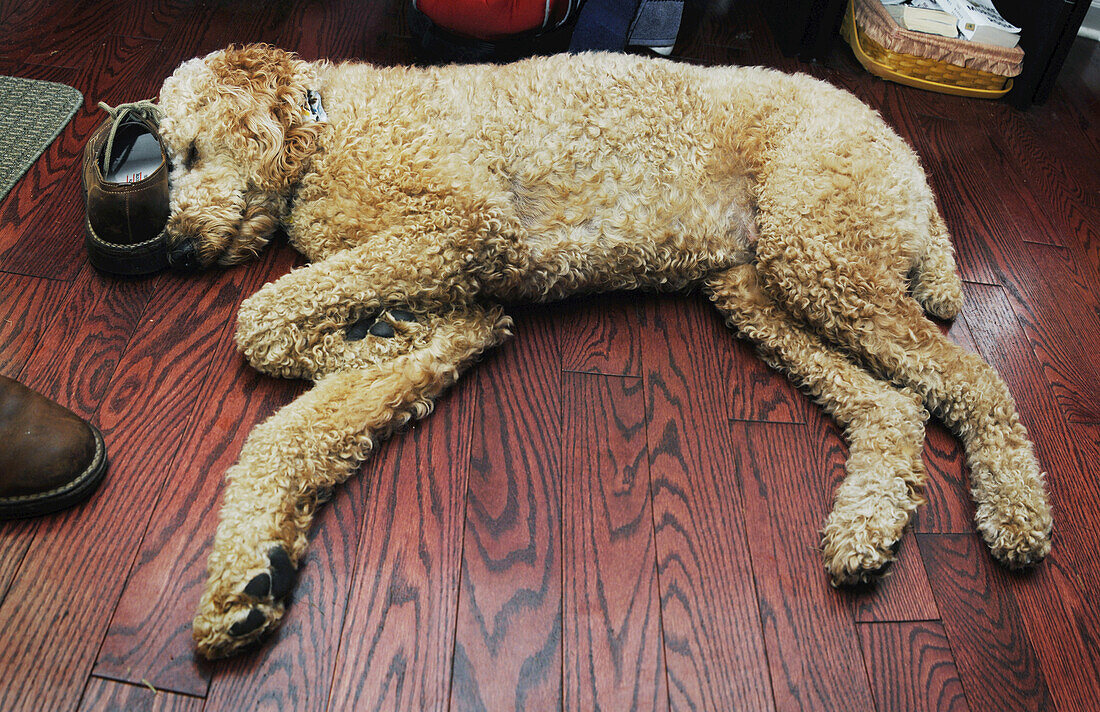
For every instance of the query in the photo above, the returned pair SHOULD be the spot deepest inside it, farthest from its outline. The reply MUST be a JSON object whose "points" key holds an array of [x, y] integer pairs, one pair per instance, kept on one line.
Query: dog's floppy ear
{"points": [[267, 87]]}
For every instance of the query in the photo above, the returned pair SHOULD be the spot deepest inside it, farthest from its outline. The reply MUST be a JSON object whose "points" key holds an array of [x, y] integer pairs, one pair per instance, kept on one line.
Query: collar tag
{"points": [[314, 107]]}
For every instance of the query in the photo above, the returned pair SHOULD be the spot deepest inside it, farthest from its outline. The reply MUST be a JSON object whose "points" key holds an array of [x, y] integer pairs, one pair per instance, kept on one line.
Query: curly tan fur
{"points": [[441, 192]]}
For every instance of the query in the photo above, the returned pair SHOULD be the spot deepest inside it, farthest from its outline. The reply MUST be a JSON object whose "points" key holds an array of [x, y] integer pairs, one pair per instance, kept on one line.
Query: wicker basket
{"points": [[927, 61]]}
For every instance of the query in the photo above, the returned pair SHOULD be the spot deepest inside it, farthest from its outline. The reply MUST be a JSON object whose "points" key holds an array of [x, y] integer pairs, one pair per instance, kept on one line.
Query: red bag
{"points": [[495, 19]]}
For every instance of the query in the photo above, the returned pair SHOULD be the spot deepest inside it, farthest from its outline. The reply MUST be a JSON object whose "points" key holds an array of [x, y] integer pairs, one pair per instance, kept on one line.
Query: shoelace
{"points": [[145, 108]]}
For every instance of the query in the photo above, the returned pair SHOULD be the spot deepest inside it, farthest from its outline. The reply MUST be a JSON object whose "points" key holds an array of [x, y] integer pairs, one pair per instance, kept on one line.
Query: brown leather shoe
{"points": [[49, 458], [126, 192]]}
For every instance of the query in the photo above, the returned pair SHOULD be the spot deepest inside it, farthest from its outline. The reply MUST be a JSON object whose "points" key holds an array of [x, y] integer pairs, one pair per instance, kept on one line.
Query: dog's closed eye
{"points": [[191, 157]]}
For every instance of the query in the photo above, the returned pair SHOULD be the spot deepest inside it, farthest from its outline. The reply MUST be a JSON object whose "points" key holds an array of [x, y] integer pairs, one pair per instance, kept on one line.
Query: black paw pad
{"points": [[259, 586], [282, 572], [381, 328], [357, 330], [402, 315], [246, 625]]}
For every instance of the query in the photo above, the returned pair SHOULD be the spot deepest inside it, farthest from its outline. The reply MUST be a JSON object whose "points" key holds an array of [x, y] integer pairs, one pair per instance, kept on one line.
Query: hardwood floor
{"points": [[618, 509]]}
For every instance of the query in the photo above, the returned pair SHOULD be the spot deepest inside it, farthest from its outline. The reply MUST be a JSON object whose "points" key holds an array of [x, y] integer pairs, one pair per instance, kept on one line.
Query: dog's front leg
{"points": [[298, 326], [290, 462]]}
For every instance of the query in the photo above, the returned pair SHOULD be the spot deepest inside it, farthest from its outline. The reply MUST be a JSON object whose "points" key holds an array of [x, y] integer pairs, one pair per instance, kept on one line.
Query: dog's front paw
{"points": [[230, 620], [1018, 535], [856, 552]]}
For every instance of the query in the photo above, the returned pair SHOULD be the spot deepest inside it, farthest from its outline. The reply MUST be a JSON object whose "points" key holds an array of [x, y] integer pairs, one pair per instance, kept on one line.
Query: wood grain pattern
{"points": [[42, 225], [1063, 630], [611, 643], [709, 611], [911, 668], [813, 649], [149, 638], [1029, 272], [760, 393], [1060, 181], [602, 334], [902, 595], [111, 696], [420, 595], [1062, 343], [371, 32], [1061, 613], [77, 353], [994, 656], [397, 642], [15, 538], [508, 636], [59, 604], [28, 305]]}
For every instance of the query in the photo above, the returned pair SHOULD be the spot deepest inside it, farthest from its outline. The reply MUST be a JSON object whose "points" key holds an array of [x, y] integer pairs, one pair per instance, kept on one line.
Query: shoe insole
{"points": [[135, 157]]}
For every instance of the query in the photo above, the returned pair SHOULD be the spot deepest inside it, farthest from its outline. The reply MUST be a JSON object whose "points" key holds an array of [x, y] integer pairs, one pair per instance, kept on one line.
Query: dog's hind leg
{"points": [[935, 281], [290, 462], [884, 428], [860, 304]]}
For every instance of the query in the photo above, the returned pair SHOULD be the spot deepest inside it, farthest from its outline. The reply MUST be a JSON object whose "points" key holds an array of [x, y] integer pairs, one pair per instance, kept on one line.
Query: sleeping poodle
{"points": [[425, 198]]}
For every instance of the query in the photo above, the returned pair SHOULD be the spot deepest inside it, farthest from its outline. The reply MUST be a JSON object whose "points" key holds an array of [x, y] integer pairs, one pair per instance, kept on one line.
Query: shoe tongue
{"points": [[135, 155]]}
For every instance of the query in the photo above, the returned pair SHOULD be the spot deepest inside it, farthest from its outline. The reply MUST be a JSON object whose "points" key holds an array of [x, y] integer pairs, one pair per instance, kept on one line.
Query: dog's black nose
{"points": [[183, 257]]}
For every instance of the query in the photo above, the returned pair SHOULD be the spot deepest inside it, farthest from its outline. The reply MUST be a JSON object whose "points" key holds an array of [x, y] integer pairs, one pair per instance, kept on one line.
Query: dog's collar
{"points": [[312, 104]]}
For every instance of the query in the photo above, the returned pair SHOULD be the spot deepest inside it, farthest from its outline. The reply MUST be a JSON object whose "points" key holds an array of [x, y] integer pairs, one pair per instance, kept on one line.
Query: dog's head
{"points": [[239, 135]]}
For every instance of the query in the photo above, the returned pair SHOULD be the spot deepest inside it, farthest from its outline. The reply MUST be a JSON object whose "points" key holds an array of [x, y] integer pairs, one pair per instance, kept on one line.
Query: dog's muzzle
{"points": [[183, 256]]}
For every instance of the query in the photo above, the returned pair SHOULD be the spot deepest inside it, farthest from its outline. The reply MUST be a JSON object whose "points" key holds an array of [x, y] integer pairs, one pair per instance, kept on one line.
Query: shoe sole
{"points": [[67, 495], [130, 260]]}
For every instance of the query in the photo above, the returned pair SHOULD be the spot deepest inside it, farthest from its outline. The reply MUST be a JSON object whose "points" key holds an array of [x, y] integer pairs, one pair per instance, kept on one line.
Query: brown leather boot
{"points": [[49, 458]]}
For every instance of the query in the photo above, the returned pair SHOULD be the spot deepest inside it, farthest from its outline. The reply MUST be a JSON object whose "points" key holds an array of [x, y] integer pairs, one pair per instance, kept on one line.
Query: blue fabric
{"points": [[604, 25], [613, 24]]}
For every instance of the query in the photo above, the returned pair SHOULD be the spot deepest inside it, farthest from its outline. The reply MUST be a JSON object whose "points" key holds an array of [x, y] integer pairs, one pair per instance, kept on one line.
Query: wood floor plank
{"points": [[149, 638], [1062, 322], [602, 334], [1061, 621], [709, 610], [78, 333], [1060, 174], [508, 638], [612, 650], [902, 595], [16, 536], [398, 639], [1061, 613], [111, 696], [28, 305], [42, 219], [995, 658], [76, 356], [759, 393], [59, 604], [912, 668], [1063, 629], [370, 32], [788, 474], [1040, 280]]}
